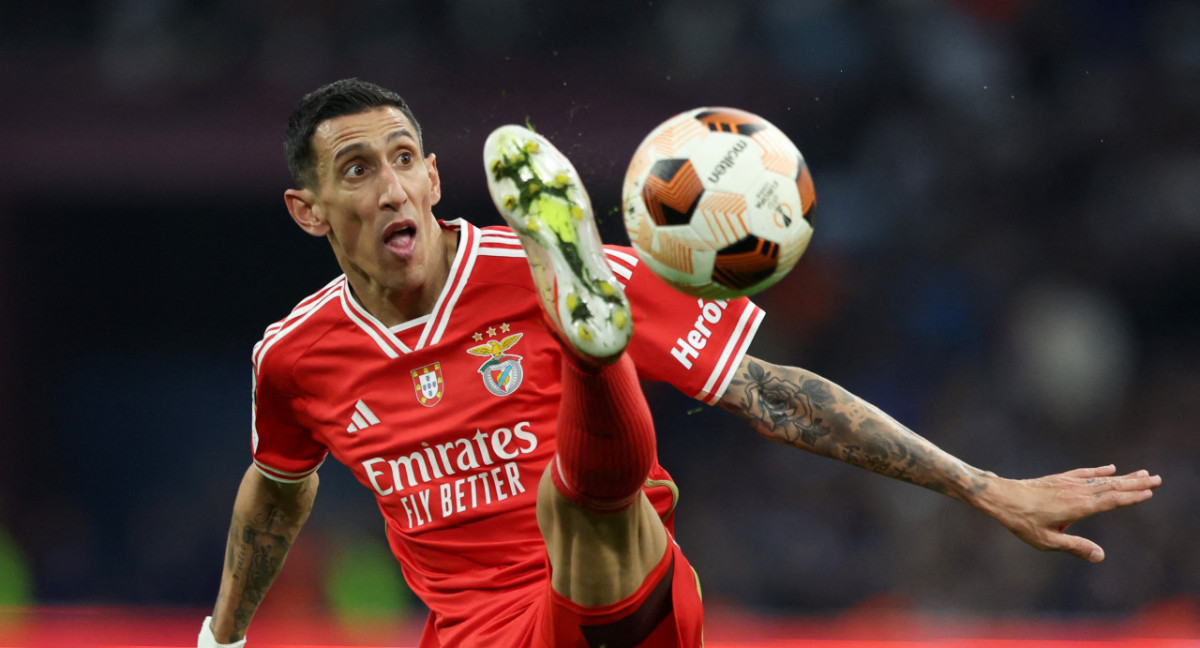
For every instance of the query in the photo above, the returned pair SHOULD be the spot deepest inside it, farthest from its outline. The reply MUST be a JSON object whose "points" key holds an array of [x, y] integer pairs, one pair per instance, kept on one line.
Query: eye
{"points": [[405, 157], [356, 171]]}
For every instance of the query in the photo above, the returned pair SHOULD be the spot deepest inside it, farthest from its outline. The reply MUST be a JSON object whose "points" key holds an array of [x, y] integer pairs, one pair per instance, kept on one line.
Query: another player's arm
{"points": [[802, 409], [267, 517]]}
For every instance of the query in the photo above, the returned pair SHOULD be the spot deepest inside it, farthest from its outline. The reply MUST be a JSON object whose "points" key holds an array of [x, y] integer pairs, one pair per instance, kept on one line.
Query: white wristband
{"points": [[207, 640]]}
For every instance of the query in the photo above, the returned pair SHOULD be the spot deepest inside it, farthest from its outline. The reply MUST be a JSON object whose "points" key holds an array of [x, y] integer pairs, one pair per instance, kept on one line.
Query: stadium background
{"points": [[1007, 258]]}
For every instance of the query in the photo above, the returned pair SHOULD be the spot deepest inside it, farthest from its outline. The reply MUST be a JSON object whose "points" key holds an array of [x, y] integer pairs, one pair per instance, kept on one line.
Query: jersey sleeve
{"points": [[282, 446], [691, 343]]}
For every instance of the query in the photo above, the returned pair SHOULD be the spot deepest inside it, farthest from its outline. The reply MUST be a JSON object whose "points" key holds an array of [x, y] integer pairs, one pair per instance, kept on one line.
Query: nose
{"points": [[392, 194]]}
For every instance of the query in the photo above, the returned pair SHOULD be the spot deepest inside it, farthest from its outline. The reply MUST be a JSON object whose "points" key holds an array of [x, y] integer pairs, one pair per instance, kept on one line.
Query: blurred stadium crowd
{"points": [[1007, 259]]}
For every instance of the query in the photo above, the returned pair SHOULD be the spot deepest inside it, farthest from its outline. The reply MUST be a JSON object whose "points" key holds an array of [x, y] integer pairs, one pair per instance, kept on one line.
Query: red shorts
{"points": [[665, 612]]}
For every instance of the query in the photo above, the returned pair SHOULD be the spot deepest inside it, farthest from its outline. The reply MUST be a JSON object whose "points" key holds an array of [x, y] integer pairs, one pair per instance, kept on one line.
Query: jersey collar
{"points": [[437, 320]]}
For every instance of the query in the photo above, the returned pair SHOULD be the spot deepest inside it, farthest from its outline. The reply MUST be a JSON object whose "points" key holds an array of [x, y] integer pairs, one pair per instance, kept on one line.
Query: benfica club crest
{"points": [[428, 382], [502, 372]]}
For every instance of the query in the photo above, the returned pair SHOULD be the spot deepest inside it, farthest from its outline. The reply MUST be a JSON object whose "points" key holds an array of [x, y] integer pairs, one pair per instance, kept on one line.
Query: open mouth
{"points": [[400, 238]]}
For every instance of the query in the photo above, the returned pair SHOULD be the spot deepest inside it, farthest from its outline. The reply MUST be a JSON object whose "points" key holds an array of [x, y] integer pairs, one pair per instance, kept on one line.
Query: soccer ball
{"points": [[718, 202]]}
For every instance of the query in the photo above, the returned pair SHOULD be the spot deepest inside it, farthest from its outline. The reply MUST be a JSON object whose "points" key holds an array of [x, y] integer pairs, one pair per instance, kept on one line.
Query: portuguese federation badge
{"points": [[428, 382]]}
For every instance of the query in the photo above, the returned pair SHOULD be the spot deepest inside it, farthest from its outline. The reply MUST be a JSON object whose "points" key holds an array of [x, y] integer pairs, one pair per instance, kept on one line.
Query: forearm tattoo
{"points": [[255, 555], [786, 405]]}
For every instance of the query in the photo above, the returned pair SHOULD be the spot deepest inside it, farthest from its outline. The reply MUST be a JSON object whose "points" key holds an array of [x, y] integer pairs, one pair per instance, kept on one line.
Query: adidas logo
{"points": [[362, 418]]}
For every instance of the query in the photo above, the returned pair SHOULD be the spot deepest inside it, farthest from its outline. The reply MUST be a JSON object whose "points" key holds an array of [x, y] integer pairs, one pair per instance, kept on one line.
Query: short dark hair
{"points": [[337, 99]]}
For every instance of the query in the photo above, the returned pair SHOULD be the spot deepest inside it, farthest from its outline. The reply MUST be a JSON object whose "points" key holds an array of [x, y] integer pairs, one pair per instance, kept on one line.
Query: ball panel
{"points": [[808, 193], [675, 251], [642, 159], [672, 191], [713, 290], [731, 120], [728, 162], [720, 218], [673, 138], [792, 249], [639, 227], [779, 154], [774, 207], [693, 282], [742, 265]]}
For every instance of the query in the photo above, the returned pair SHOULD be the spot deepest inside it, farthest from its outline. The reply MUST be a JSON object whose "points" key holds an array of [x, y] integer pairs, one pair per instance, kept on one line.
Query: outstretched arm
{"points": [[802, 409], [267, 517]]}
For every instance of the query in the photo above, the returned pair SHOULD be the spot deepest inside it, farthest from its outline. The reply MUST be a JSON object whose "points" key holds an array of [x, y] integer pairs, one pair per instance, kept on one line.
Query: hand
{"points": [[1038, 511]]}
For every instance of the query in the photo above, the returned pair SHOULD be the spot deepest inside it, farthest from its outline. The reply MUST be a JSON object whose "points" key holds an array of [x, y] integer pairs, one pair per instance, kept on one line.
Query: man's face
{"points": [[376, 195]]}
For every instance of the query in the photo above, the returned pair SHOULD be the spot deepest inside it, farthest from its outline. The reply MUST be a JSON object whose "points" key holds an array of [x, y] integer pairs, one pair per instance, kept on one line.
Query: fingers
{"points": [[1128, 489], [1081, 548], [1117, 499], [1140, 480], [1141, 477], [1085, 473], [1107, 498], [1101, 481]]}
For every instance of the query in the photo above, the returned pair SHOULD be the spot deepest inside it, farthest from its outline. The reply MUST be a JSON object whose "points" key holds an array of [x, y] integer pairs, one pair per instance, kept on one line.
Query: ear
{"points": [[301, 204], [435, 179]]}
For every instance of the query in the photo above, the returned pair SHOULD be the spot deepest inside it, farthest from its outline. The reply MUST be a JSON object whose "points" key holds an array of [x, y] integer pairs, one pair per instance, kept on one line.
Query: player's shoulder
{"points": [[623, 260], [500, 241], [308, 321], [497, 258]]}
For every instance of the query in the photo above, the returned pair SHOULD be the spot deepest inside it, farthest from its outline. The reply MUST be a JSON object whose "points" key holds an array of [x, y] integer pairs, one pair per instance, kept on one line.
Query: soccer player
{"points": [[483, 384]]}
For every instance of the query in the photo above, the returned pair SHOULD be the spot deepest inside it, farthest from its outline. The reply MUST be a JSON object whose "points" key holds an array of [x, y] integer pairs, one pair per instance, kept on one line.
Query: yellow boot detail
{"points": [[554, 212]]}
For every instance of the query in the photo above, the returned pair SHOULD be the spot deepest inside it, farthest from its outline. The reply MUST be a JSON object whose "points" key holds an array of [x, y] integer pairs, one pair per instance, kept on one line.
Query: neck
{"points": [[393, 305]]}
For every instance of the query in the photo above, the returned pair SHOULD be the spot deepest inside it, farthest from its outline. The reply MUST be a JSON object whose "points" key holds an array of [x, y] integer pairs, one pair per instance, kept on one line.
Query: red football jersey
{"points": [[449, 419]]}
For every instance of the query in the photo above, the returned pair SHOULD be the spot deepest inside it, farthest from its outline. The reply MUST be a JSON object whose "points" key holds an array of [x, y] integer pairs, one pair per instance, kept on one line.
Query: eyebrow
{"points": [[358, 146]]}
